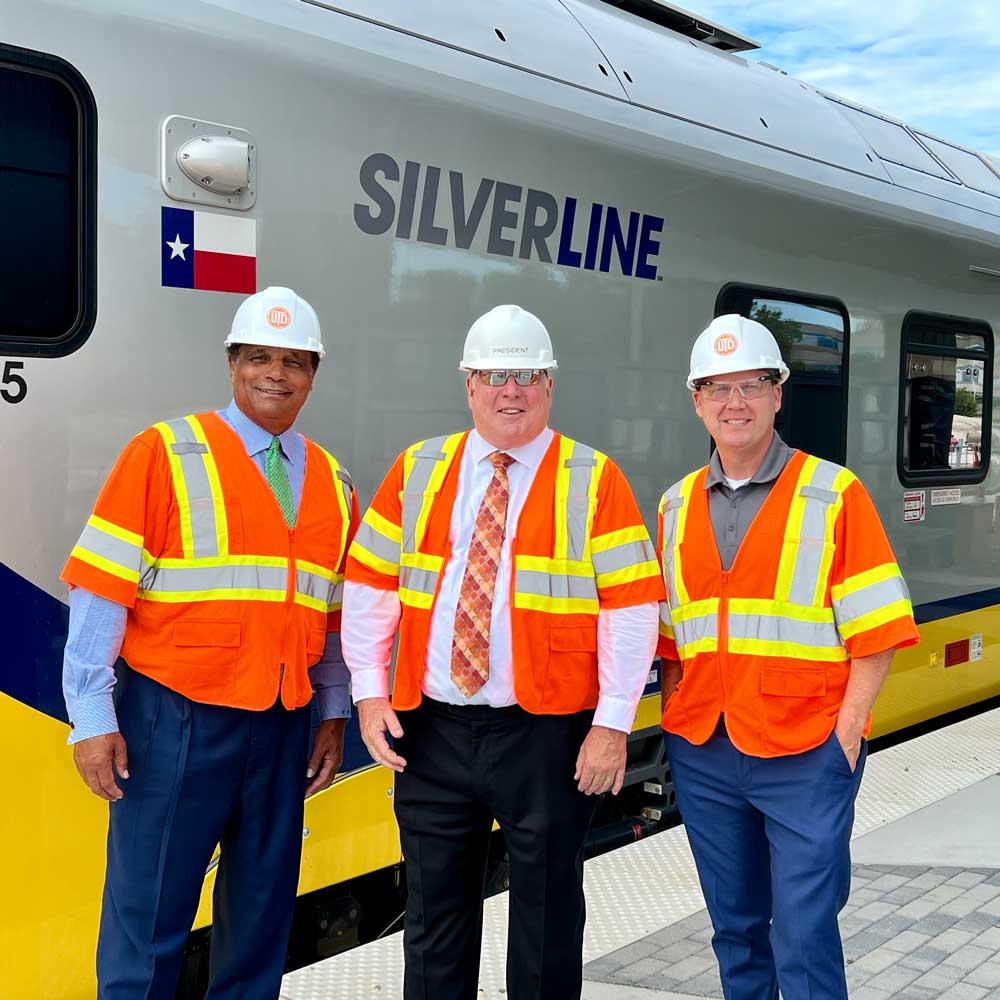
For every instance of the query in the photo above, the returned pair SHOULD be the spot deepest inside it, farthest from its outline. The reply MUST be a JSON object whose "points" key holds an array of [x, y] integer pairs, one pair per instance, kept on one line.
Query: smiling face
{"points": [[509, 415], [741, 428], [270, 384]]}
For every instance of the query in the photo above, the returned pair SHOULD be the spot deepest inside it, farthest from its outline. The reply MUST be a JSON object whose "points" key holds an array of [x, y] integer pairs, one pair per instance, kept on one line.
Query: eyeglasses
{"points": [[499, 376], [722, 392]]}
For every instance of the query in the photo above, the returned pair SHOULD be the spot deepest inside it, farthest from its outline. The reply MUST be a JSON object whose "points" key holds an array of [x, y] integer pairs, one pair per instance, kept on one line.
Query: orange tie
{"points": [[470, 649]]}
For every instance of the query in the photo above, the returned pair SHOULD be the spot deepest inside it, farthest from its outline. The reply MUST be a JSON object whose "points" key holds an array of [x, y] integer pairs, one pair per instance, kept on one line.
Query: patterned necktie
{"points": [[277, 479], [470, 648]]}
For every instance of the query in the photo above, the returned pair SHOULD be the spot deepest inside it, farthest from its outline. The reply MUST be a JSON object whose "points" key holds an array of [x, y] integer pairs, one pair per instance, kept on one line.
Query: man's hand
{"points": [[376, 716], [670, 676], [849, 738], [327, 755], [864, 682], [97, 759], [600, 765]]}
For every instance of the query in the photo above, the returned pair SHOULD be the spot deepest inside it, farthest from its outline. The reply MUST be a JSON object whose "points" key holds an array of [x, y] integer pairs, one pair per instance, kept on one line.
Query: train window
{"points": [[812, 334], [945, 400], [47, 197]]}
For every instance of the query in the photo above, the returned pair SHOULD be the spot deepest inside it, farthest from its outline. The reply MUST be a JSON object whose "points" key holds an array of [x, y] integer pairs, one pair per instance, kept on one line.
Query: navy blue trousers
{"points": [[465, 766], [201, 775], [771, 841]]}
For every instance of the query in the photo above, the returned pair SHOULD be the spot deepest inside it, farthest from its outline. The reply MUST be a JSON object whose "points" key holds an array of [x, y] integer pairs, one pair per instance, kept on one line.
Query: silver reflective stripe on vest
{"points": [[672, 503], [693, 630], [581, 465], [347, 487], [125, 554], [818, 495], [194, 579], [777, 628], [623, 556], [377, 544], [871, 598], [529, 581], [423, 581], [425, 460], [204, 534], [319, 588]]}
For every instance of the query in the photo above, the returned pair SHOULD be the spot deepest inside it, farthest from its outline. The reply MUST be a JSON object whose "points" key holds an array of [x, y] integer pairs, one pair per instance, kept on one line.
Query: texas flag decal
{"points": [[216, 253]]}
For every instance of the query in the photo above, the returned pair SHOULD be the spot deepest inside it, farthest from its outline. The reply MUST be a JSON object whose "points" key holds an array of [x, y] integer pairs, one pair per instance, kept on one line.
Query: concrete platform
{"points": [[922, 922]]}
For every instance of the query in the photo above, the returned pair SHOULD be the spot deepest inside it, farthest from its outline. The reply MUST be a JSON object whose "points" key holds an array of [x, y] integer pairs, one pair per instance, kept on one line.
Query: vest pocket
{"points": [[207, 633], [571, 677], [806, 682], [315, 645]]}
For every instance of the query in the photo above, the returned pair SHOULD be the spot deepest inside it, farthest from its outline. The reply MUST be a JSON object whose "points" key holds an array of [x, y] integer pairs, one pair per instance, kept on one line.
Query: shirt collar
{"points": [[775, 459], [529, 455], [255, 439]]}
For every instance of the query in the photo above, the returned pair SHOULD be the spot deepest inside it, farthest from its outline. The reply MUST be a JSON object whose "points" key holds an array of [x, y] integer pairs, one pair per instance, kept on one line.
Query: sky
{"points": [[931, 64]]}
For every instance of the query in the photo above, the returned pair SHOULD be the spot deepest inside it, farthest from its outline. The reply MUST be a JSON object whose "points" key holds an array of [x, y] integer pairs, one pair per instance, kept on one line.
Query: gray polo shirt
{"points": [[731, 511]]}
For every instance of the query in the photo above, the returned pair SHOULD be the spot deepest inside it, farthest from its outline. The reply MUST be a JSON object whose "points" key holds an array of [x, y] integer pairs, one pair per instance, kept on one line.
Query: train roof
{"points": [[658, 56]]}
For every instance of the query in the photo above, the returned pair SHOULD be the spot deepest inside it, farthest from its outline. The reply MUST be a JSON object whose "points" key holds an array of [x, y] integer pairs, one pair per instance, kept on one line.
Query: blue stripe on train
{"points": [[34, 634], [36, 625]]}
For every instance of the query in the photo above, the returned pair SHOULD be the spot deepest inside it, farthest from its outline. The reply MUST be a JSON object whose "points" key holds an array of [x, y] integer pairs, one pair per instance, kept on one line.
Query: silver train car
{"points": [[616, 167]]}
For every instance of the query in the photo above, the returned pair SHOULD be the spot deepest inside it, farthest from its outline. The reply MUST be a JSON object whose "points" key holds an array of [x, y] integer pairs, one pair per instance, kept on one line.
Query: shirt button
{"points": [[732, 527]]}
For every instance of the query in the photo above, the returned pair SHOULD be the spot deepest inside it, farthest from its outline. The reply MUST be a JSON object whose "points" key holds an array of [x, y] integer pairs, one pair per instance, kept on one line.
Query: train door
{"points": [[812, 334]]}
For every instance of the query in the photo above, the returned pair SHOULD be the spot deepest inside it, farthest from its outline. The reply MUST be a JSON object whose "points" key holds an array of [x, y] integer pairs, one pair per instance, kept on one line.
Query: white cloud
{"points": [[934, 66]]}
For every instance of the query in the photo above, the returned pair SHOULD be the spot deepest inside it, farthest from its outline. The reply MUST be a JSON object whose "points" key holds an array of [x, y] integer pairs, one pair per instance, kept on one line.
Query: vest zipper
{"points": [[289, 600]]}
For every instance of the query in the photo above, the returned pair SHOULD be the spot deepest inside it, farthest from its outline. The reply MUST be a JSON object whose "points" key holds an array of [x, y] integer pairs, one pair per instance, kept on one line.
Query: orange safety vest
{"points": [[769, 641], [226, 605], [579, 545]]}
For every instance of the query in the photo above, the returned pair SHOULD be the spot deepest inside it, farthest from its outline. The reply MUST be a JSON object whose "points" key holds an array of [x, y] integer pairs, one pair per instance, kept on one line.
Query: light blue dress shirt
{"points": [[97, 625]]}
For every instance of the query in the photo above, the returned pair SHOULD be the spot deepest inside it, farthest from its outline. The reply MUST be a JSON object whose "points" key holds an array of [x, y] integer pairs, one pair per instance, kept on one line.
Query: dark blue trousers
{"points": [[201, 775], [771, 841]]}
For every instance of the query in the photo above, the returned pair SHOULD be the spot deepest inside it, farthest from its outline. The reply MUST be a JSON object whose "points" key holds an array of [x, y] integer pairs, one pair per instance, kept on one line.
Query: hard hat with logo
{"points": [[734, 344], [277, 317], [507, 337]]}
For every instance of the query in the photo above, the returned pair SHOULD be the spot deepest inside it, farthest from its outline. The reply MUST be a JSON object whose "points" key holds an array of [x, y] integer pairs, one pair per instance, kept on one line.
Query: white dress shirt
{"points": [[626, 637]]}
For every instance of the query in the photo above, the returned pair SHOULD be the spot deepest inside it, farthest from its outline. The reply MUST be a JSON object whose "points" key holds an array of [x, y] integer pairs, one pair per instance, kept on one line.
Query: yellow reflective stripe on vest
{"points": [[696, 627], [242, 578], [201, 508], [424, 468], [674, 506], [377, 543], [780, 629], [870, 599], [110, 548], [317, 587], [666, 628], [578, 475], [558, 586], [807, 552], [623, 556], [418, 577], [343, 487]]}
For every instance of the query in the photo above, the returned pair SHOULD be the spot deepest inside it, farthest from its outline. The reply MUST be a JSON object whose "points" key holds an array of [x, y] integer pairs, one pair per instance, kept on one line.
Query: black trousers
{"points": [[465, 766]]}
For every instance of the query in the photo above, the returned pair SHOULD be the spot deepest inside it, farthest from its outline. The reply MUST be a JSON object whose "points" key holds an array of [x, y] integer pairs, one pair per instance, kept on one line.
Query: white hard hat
{"points": [[507, 337], [277, 317], [734, 344]]}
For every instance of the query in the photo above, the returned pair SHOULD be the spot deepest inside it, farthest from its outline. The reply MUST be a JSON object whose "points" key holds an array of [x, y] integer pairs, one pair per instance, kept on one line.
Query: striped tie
{"points": [[277, 479], [470, 648]]}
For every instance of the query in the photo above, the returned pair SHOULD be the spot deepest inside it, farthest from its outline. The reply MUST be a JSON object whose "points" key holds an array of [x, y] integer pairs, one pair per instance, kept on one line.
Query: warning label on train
{"points": [[914, 505]]}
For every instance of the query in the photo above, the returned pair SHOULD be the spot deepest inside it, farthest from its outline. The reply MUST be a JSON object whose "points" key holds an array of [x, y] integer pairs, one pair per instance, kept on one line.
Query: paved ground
{"points": [[910, 932]]}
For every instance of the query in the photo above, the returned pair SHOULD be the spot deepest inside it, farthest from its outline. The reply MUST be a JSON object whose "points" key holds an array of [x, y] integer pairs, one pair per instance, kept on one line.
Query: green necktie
{"points": [[277, 478]]}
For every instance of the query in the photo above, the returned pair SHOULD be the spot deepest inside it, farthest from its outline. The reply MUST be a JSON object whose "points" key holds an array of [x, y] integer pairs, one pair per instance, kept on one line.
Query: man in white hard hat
{"points": [[212, 566], [784, 608], [515, 567]]}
